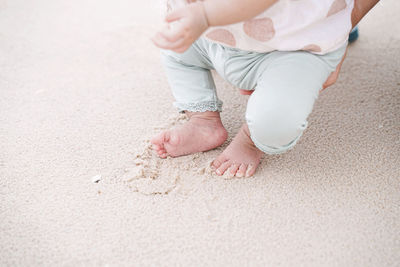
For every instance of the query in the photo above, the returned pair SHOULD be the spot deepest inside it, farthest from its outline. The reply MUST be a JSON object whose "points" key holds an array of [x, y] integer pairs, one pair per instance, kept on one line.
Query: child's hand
{"points": [[191, 22]]}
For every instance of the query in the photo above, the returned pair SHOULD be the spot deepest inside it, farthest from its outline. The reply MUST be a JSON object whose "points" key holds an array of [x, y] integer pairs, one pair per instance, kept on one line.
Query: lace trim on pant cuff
{"points": [[199, 107]]}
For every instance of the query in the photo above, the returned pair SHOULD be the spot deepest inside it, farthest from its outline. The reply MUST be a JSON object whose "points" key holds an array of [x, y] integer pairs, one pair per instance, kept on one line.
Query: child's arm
{"points": [[194, 19], [361, 8]]}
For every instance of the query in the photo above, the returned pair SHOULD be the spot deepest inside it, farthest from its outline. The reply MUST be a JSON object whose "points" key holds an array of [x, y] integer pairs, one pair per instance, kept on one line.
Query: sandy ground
{"points": [[82, 91]]}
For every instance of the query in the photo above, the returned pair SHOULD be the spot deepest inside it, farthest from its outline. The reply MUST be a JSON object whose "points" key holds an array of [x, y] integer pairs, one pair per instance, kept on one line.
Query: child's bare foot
{"points": [[203, 131], [240, 158]]}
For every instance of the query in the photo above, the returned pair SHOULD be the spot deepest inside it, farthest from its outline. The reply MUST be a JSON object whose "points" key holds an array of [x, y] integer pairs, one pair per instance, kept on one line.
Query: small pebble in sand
{"points": [[96, 178], [153, 174], [138, 161], [201, 170]]}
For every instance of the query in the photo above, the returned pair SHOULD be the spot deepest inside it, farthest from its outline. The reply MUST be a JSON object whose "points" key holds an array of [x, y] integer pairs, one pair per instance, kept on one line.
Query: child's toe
{"points": [[233, 168], [251, 169], [164, 155], [218, 161], [159, 139], [156, 147], [161, 151], [224, 166], [242, 170]]}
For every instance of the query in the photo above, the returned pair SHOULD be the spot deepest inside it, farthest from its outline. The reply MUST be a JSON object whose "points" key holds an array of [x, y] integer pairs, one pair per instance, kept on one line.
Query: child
{"points": [[281, 52]]}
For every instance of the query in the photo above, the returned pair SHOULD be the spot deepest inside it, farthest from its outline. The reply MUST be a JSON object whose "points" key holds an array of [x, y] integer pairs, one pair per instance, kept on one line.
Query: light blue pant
{"points": [[286, 85]]}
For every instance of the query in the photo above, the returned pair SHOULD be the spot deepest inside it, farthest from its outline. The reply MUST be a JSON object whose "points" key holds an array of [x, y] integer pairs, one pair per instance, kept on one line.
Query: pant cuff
{"points": [[274, 150], [199, 106]]}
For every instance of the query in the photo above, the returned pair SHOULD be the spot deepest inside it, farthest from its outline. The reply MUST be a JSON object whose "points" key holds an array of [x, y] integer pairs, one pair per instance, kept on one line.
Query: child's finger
{"points": [[177, 44], [174, 33], [174, 15], [160, 41], [180, 47]]}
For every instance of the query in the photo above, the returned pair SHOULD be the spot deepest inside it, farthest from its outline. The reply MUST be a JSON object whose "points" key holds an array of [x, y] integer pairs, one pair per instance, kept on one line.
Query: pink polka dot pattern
{"points": [[337, 6], [312, 48], [222, 36], [259, 29]]}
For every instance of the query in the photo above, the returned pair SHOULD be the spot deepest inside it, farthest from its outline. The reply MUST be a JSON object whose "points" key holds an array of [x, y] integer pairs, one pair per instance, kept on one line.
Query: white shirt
{"points": [[318, 26]]}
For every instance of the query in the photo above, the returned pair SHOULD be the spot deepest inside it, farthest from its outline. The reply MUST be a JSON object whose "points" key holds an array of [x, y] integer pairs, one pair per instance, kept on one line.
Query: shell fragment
{"points": [[96, 178]]}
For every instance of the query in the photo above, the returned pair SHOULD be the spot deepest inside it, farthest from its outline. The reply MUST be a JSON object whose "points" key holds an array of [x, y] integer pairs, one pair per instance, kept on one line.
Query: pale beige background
{"points": [[82, 90]]}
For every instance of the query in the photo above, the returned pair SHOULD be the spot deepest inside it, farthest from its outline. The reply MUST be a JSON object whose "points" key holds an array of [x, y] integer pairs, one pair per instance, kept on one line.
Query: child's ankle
{"points": [[207, 115]]}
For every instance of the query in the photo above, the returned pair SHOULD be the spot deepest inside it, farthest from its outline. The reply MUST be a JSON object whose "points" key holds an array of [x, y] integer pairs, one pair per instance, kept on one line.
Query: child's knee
{"points": [[275, 129]]}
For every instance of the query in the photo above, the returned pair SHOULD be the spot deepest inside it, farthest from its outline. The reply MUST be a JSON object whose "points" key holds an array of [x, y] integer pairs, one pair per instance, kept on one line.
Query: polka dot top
{"points": [[318, 26]]}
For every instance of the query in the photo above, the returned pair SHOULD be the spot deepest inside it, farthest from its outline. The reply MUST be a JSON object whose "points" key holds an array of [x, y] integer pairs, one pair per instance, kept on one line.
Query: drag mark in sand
{"points": [[150, 175], [147, 176]]}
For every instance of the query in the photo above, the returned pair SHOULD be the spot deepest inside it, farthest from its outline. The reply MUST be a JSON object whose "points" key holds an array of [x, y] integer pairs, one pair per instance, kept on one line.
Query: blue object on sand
{"points": [[353, 35]]}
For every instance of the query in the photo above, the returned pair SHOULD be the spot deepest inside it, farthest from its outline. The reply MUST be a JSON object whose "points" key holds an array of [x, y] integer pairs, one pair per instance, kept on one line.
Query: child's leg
{"points": [[190, 79], [194, 90], [277, 111]]}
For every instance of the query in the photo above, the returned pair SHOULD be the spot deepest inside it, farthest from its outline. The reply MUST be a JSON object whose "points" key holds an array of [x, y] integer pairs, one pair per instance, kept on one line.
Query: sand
{"points": [[82, 91]]}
